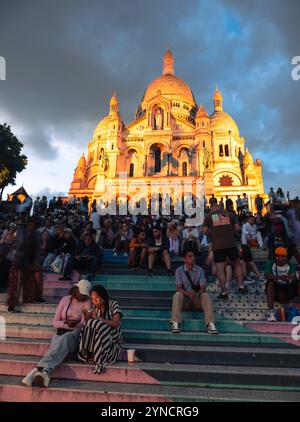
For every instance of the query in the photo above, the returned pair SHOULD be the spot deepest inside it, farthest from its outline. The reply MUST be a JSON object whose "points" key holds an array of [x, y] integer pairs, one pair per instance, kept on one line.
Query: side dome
{"points": [[102, 126], [221, 121]]}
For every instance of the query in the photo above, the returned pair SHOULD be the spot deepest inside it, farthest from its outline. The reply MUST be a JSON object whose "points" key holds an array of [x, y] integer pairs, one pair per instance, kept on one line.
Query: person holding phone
{"points": [[68, 320], [101, 339]]}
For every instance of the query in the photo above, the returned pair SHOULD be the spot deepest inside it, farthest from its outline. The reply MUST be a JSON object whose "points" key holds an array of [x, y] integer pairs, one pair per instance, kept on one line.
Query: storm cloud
{"points": [[65, 57]]}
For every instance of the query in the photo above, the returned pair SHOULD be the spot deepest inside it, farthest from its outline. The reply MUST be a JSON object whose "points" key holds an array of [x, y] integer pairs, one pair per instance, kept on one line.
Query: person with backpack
{"points": [[191, 294]]}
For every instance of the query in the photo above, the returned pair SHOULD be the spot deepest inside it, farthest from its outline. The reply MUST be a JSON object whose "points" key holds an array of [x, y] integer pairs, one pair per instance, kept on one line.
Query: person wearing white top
{"points": [[191, 234], [95, 219], [250, 231]]}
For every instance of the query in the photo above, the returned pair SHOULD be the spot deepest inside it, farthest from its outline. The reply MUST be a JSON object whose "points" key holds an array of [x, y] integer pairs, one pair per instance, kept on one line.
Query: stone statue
{"points": [[103, 162], [183, 153], [206, 159], [158, 120]]}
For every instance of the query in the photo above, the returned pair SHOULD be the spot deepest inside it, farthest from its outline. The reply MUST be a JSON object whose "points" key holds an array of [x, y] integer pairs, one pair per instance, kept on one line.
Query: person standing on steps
{"points": [[191, 294], [221, 226], [68, 320], [25, 270]]}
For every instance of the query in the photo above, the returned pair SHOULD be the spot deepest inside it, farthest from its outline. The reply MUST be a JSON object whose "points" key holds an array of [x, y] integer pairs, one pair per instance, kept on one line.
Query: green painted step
{"points": [[191, 325], [167, 287], [135, 279], [200, 337], [161, 313], [134, 322], [231, 386], [138, 277]]}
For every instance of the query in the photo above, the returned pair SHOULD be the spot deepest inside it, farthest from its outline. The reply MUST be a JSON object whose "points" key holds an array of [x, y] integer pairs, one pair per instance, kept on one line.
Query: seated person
{"points": [[191, 293], [47, 244], [280, 239], [123, 237], [248, 263], [173, 233], [159, 248], [54, 247], [250, 233], [68, 320], [87, 257], [107, 235], [67, 250], [282, 282], [137, 250], [190, 239], [101, 338]]}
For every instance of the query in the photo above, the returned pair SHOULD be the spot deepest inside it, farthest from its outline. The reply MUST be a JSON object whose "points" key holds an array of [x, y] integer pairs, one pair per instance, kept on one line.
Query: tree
{"points": [[12, 161]]}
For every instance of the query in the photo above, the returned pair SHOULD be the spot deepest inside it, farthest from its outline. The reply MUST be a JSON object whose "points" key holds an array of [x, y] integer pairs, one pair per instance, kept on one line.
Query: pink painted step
{"points": [[121, 373], [28, 332], [271, 327], [13, 347], [13, 393], [55, 277], [275, 328], [57, 284]]}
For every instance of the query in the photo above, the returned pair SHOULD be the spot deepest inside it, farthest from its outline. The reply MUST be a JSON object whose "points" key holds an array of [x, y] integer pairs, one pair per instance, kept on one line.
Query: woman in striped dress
{"points": [[101, 339]]}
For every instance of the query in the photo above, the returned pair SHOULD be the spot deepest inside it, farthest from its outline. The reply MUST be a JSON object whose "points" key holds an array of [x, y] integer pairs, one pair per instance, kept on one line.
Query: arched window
{"points": [[221, 153], [131, 170], [157, 160], [184, 169], [226, 151]]}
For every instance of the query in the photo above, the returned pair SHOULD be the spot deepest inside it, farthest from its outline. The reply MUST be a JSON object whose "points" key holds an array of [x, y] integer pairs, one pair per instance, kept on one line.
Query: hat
{"points": [[84, 287], [281, 251]]}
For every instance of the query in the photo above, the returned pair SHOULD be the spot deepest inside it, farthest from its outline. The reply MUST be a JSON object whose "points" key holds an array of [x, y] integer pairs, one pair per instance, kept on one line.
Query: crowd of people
{"points": [[65, 237]]}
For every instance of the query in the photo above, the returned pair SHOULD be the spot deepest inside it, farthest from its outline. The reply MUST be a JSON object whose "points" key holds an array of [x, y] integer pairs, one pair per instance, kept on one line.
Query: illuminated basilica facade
{"points": [[170, 140]]}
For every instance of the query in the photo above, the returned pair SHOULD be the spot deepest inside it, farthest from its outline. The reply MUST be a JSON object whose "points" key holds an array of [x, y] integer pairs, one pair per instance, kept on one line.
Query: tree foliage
{"points": [[12, 161]]}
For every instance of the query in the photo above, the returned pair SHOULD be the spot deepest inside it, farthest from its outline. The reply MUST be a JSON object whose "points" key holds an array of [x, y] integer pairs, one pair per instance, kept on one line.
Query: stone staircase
{"points": [[250, 360]]}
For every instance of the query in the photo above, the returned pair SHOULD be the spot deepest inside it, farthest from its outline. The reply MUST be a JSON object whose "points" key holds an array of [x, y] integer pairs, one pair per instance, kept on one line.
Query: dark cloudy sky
{"points": [[65, 58]]}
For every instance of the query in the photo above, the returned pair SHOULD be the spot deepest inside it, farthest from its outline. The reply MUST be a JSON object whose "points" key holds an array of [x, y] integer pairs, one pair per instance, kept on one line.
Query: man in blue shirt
{"points": [[191, 293]]}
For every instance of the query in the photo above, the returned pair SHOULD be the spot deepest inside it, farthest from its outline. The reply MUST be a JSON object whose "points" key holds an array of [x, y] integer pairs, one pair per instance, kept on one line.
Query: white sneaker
{"points": [[271, 317], [115, 254], [42, 379], [29, 377], [125, 254], [211, 328], [175, 327]]}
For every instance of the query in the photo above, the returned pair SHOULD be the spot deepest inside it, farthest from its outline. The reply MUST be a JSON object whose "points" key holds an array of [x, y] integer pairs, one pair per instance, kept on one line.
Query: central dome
{"points": [[169, 84]]}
